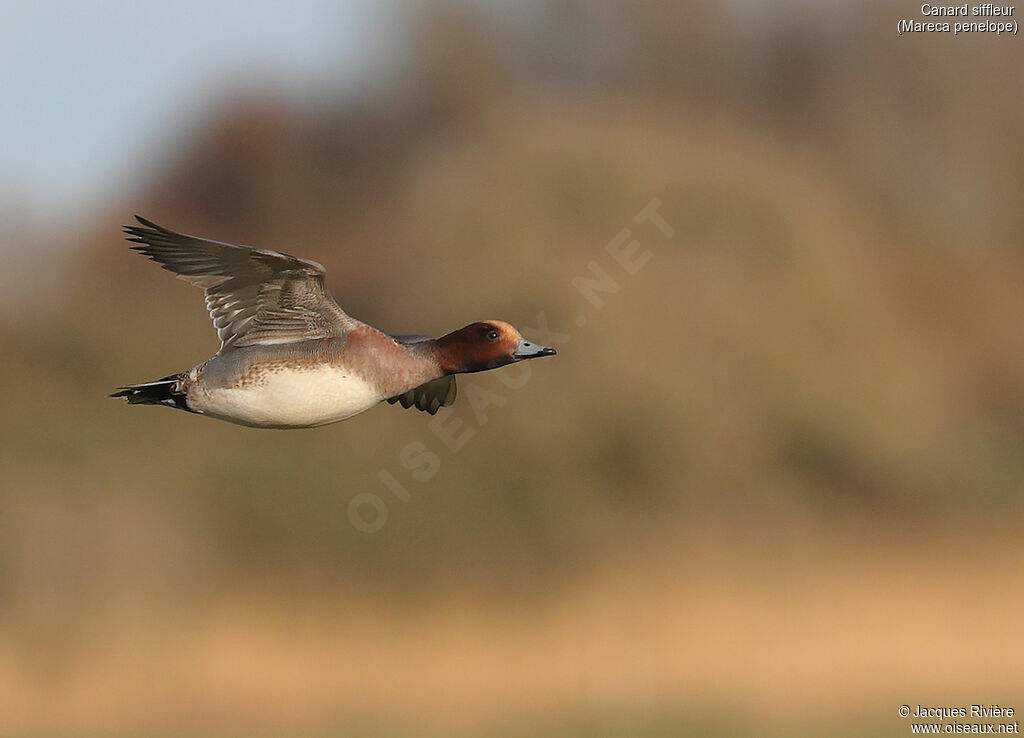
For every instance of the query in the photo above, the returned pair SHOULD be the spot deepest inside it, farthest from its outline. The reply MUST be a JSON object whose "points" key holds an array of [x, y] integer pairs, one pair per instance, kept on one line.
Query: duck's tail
{"points": [[166, 391]]}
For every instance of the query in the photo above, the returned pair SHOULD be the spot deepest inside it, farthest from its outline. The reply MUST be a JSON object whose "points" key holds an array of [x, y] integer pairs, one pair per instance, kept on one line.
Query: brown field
{"points": [[795, 628]]}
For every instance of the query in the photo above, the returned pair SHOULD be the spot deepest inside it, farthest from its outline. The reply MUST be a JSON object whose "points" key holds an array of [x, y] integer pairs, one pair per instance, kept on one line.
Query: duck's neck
{"points": [[448, 353], [394, 368]]}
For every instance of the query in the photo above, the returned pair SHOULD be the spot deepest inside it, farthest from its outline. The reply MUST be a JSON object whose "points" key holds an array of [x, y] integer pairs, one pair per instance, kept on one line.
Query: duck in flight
{"points": [[289, 356]]}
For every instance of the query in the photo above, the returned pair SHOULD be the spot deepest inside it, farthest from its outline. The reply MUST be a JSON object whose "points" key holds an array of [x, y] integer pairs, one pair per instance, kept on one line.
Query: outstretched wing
{"points": [[255, 296]]}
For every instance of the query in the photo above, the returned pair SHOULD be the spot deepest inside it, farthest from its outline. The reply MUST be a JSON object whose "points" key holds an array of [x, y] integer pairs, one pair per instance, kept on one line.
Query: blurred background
{"points": [[771, 485]]}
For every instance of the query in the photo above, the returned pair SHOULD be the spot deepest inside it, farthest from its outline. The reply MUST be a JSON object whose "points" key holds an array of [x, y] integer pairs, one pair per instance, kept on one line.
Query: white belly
{"points": [[288, 398]]}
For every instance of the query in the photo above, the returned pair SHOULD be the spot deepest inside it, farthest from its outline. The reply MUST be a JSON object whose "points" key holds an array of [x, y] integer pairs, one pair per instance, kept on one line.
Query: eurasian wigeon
{"points": [[290, 357]]}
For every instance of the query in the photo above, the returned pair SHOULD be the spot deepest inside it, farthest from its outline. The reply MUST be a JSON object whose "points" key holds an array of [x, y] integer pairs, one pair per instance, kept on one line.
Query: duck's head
{"points": [[485, 345]]}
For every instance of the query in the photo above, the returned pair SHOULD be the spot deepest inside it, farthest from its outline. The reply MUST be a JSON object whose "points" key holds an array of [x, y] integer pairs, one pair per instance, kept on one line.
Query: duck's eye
{"points": [[492, 335]]}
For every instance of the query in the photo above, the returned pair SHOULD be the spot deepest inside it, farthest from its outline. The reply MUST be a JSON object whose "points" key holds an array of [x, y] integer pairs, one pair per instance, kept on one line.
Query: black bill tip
{"points": [[527, 350]]}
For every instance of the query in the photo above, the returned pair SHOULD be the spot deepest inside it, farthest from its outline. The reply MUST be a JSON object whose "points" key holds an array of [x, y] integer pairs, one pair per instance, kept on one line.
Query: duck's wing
{"points": [[429, 397], [433, 395], [255, 296]]}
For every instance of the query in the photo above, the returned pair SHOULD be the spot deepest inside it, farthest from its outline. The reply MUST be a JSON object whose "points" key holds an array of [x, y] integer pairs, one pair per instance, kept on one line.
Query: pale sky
{"points": [[88, 88]]}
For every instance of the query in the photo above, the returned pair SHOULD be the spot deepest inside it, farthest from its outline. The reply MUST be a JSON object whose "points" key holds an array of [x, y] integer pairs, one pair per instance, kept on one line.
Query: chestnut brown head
{"points": [[484, 345]]}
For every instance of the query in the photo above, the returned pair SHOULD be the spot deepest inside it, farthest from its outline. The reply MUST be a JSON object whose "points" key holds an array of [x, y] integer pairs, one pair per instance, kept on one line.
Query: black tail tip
{"points": [[164, 391]]}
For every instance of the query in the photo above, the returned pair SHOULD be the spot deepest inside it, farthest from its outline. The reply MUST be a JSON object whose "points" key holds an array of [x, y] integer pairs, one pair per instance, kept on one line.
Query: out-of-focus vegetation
{"points": [[773, 484]]}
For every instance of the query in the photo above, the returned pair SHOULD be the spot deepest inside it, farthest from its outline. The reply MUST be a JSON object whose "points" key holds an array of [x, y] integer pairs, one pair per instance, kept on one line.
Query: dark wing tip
{"points": [[148, 229], [427, 397], [148, 223]]}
